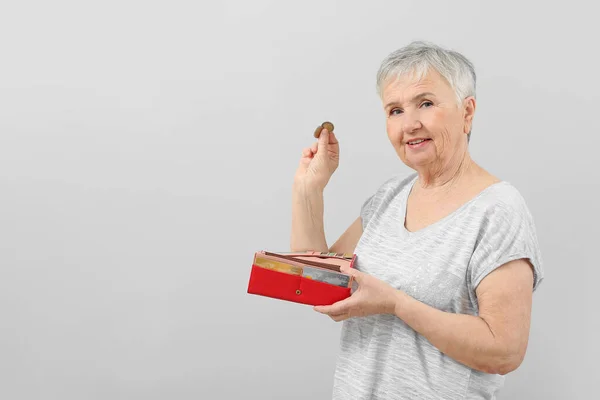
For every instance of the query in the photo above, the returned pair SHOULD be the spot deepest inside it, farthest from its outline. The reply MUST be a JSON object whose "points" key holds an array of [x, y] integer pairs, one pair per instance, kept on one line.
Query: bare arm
{"points": [[496, 340], [308, 232], [314, 171], [348, 240]]}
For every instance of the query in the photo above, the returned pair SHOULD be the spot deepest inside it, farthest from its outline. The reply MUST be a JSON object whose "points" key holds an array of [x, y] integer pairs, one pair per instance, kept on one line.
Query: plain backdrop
{"points": [[147, 150]]}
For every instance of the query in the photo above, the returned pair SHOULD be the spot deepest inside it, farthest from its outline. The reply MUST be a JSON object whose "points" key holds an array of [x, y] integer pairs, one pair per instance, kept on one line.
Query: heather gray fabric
{"points": [[441, 265]]}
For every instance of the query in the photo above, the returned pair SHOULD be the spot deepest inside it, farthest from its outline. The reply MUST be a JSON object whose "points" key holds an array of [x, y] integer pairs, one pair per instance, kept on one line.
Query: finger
{"points": [[323, 140], [336, 313], [356, 274], [306, 152], [314, 147], [333, 138], [338, 318], [333, 316], [333, 144], [340, 307]]}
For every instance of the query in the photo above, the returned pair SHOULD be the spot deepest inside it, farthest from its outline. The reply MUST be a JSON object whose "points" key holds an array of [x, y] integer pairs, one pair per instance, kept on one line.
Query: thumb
{"points": [[356, 274], [323, 141]]}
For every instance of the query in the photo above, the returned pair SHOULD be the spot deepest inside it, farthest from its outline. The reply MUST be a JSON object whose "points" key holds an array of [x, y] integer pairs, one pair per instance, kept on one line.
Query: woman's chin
{"points": [[418, 161]]}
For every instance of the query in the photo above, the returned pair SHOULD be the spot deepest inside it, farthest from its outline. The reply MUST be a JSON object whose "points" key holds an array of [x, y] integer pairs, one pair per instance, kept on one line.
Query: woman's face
{"points": [[424, 123]]}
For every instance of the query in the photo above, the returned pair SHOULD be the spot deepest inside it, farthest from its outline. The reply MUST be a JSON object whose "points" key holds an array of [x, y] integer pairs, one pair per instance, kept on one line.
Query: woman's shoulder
{"points": [[504, 198], [504, 229], [504, 193]]}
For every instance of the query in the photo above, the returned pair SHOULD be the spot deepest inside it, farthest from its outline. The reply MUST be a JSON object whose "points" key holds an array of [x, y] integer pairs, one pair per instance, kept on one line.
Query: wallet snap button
{"points": [[298, 291]]}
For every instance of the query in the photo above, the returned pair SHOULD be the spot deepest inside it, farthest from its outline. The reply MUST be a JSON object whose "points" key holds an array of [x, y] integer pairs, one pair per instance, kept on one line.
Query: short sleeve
{"points": [[507, 233], [366, 211]]}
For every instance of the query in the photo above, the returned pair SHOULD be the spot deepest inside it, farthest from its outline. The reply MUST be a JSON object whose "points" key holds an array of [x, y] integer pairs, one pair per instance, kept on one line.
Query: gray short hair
{"points": [[419, 56]]}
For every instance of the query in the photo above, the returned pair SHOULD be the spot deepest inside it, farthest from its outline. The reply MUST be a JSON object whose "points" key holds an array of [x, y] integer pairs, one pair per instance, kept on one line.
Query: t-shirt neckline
{"points": [[405, 232]]}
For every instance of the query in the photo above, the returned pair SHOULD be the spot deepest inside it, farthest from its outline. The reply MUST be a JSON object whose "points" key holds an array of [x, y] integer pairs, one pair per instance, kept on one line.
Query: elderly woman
{"points": [[447, 257]]}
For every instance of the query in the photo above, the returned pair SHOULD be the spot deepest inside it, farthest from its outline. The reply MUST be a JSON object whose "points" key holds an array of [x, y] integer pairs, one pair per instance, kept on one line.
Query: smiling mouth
{"points": [[412, 142]]}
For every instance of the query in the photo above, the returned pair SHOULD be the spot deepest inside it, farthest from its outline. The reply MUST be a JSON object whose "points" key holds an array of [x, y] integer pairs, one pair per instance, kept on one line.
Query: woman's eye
{"points": [[395, 111], [427, 103]]}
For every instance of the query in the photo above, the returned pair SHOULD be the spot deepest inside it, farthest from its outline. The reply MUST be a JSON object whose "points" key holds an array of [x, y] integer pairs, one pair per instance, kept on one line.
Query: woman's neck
{"points": [[448, 176]]}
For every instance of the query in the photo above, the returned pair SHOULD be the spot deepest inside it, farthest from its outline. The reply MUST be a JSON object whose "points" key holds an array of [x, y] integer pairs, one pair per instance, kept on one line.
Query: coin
{"points": [[318, 131], [327, 125]]}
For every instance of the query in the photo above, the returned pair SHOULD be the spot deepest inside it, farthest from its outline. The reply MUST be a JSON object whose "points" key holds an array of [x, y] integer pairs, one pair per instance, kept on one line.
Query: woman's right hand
{"points": [[318, 162]]}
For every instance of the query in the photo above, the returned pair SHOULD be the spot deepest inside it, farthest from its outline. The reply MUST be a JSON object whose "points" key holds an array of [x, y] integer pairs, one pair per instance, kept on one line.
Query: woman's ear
{"points": [[469, 105]]}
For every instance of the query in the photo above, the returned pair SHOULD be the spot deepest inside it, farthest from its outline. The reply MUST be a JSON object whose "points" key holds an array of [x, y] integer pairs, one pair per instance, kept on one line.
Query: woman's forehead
{"points": [[409, 85]]}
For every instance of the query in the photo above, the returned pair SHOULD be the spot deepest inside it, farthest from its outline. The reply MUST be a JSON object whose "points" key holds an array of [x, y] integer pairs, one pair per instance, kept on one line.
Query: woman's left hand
{"points": [[372, 296]]}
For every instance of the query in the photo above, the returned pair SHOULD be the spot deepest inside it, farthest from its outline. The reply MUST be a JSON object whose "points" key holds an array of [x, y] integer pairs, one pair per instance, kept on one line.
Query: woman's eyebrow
{"points": [[421, 95], [412, 100]]}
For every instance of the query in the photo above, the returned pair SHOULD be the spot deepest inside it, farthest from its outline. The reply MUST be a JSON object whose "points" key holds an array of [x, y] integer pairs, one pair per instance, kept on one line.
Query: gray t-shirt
{"points": [[380, 356]]}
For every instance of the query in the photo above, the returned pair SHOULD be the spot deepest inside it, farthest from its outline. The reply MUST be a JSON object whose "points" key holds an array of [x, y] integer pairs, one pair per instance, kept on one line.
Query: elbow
{"points": [[504, 362], [504, 367]]}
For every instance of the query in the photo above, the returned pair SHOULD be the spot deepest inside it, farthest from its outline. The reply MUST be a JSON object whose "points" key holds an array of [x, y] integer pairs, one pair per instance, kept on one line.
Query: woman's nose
{"points": [[411, 124]]}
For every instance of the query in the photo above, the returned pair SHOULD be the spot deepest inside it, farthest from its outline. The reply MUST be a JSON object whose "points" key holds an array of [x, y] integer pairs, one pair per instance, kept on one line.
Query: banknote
{"points": [[278, 266], [306, 271], [323, 275], [347, 256], [331, 263]]}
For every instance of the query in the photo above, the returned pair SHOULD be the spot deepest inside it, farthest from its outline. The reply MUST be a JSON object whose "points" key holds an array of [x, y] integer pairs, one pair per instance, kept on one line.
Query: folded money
{"points": [[321, 254], [306, 265]]}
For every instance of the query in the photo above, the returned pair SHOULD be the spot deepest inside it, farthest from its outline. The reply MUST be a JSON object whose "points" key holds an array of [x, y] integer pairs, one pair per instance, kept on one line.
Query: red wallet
{"points": [[310, 277]]}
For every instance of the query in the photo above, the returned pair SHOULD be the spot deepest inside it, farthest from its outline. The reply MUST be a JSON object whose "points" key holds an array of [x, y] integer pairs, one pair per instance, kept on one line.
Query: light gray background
{"points": [[147, 151]]}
